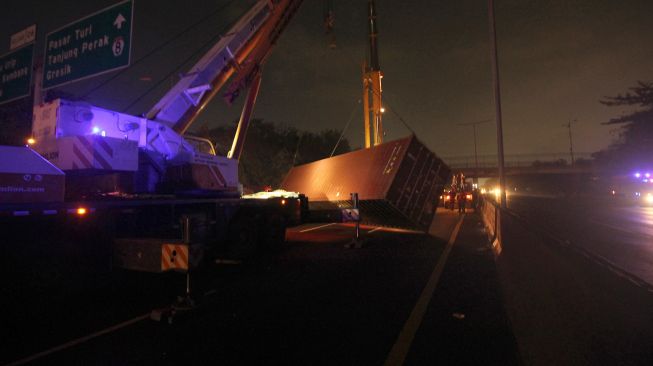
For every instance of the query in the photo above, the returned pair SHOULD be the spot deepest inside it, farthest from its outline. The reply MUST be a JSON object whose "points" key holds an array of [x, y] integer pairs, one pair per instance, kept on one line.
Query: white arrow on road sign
{"points": [[119, 20], [112, 26]]}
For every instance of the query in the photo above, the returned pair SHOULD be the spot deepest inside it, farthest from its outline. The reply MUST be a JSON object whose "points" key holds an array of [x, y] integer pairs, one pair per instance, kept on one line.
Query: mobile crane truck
{"points": [[158, 199]]}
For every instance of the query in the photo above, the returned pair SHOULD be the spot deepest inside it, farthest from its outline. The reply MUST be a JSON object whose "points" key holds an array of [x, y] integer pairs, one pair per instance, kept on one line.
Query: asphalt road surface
{"points": [[403, 298], [568, 303], [622, 234]]}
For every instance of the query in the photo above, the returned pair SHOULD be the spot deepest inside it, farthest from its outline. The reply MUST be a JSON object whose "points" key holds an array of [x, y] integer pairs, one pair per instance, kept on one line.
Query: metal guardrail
{"points": [[517, 160], [491, 215]]}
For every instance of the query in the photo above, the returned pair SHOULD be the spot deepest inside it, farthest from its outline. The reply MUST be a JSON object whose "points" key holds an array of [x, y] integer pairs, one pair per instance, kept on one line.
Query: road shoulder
{"points": [[466, 322]]}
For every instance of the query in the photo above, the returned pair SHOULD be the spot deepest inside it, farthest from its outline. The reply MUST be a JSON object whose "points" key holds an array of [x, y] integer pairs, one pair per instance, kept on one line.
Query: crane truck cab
{"points": [[201, 145], [100, 147]]}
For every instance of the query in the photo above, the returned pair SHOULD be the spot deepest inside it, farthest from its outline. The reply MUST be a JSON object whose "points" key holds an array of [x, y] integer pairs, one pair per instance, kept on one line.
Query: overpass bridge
{"points": [[521, 164]]}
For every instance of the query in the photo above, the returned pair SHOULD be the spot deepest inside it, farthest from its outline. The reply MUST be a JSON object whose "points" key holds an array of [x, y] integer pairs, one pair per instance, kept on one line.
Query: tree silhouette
{"points": [[271, 149], [634, 146]]}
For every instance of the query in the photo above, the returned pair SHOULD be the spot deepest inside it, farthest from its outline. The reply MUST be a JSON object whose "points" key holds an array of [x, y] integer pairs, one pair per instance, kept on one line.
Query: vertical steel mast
{"points": [[372, 90]]}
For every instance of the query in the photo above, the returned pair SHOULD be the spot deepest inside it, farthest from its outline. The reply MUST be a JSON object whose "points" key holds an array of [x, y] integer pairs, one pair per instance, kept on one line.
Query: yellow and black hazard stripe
{"points": [[174, 257]]}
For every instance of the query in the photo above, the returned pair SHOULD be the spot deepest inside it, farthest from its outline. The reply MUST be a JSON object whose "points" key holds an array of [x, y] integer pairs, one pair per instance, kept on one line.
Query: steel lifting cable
{"points": [[387, 105], [342, 134], [158, 48]]}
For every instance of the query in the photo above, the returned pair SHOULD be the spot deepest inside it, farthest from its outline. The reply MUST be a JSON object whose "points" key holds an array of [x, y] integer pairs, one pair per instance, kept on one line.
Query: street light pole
{"points": [[473, 124], [497, 100], [475, 156], [571, 143]]}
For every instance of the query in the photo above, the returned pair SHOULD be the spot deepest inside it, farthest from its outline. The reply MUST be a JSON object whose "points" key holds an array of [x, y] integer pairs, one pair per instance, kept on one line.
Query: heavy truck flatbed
{"points": [[130, 232], [32, 201]]}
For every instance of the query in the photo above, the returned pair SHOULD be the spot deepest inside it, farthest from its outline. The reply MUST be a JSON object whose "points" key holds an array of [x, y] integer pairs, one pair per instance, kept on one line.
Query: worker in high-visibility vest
{"points": [[462, 201]]}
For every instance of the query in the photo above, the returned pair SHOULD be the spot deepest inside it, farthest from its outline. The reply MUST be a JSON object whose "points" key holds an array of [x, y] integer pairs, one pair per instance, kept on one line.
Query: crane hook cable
{"points": [[401, 119], [342, 134]]}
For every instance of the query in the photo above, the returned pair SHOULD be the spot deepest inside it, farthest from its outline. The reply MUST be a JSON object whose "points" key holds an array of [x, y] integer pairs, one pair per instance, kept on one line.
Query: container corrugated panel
{"points": [[398, 182]]}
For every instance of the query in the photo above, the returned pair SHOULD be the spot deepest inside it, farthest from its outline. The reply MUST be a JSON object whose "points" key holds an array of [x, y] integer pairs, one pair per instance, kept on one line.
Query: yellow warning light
{"points": [[31, 141], [81, 211]]}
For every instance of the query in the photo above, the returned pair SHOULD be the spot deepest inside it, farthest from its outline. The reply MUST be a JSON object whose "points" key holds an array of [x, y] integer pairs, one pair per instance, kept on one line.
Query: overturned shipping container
{"points": [[399, 182]]}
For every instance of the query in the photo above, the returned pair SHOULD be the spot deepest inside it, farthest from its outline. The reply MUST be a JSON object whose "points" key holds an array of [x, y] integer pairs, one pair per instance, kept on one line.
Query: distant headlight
{"points": [[649, 198]]}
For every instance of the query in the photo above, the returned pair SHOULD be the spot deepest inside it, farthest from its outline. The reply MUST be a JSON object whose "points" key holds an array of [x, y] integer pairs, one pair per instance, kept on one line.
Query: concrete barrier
{"points": [[491, 215], [565, 307]]}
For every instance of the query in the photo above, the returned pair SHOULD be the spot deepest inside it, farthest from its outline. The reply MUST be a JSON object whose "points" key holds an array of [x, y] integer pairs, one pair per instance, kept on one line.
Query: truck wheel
{"points": [[243, 237]]}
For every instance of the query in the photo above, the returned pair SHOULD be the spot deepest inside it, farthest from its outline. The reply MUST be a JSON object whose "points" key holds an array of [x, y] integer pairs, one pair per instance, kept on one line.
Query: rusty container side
{"points": [[369, 172], [398, 182]]}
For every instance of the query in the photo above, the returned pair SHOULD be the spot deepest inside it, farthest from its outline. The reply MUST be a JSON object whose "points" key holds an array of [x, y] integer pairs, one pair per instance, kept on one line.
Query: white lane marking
{"points": [[401, 347], [317, 227], [81, 340], [396, 230]]}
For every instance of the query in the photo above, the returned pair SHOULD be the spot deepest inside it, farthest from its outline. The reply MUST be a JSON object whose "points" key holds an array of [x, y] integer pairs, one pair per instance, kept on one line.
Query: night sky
{"points": [[557, 59]]}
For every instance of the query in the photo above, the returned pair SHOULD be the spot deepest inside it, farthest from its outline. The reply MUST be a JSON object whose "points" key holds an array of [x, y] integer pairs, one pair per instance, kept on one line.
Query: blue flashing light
{"points": [[96, 130], [637, 175]]}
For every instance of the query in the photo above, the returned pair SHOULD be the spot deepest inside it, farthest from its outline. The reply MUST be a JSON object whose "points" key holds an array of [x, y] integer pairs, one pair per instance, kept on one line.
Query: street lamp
{"points": [[474, 124]]}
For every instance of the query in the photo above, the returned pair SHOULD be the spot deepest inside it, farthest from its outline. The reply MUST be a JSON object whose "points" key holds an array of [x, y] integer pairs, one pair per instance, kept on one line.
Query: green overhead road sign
{"points": [[99, 43], [16, 74]]}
